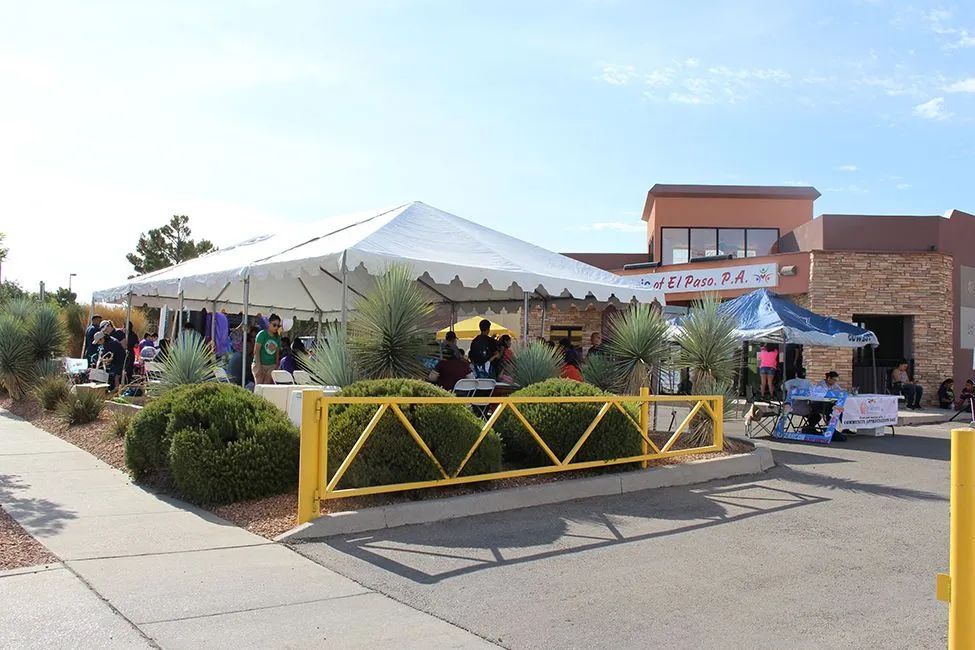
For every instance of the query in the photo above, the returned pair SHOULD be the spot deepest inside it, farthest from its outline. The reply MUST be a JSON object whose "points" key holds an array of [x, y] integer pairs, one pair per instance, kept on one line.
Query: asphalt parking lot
{"points": [[835, 547]]}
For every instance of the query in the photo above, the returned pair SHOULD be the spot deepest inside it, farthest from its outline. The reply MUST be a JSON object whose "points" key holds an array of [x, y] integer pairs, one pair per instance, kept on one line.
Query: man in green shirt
{"points": [[267, 351]]}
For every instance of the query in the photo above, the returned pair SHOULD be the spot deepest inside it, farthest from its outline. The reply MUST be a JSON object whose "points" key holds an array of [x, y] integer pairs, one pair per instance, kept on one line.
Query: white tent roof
{"points": [[301, 271]]}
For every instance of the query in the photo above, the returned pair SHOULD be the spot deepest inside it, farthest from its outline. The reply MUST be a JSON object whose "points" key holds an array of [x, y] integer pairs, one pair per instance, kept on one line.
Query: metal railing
{"points": [[315, 484]]}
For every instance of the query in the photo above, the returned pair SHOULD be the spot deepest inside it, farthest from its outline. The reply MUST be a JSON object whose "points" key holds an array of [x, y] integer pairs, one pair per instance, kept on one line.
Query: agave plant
{"points": [[602, 371], [189, 361], [638, 344], [16, 360], [332, 362], [46, 332], [389, 332], [535, 362], [709, 349]]}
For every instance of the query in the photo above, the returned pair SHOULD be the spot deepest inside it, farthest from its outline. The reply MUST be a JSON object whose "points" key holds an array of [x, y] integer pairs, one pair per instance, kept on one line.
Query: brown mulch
{"points": [[271, 516], [17, 548]]}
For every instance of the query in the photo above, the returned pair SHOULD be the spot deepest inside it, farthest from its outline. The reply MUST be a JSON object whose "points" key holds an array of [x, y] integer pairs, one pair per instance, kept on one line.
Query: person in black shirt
{"points": [[111, 357], [90, 350], [484, 351]]}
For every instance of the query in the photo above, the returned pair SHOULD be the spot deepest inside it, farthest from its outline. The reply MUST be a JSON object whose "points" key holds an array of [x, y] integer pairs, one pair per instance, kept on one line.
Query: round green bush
{"points": [[221, 443], [148, 438], [391, 455], [561, 426]]}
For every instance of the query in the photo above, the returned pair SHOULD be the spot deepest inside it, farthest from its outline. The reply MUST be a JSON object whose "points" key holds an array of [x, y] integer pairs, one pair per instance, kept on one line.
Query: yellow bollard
{"points": [[309, 458], [645, 421], [958, 587]]}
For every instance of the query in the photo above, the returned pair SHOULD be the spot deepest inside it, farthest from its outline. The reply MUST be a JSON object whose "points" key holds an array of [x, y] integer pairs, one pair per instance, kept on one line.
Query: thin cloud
{"points": [[933, 109], [903, 186], [953, 38], [617, 75], [846, 168], [616, 226], [962, 86]]}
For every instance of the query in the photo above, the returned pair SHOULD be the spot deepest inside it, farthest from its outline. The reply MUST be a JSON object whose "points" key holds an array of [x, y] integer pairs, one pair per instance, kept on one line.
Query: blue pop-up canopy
{"points": [[766, 317]]}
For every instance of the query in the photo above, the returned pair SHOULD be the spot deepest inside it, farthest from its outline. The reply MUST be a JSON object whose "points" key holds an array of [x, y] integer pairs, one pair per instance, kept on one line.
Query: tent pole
{"points": [[91, 314], [525, 324], [318, 329], [128, 324], [873, 356], [453, 315], [544, 313], [345, 293], [246, 328], [179, 315]]}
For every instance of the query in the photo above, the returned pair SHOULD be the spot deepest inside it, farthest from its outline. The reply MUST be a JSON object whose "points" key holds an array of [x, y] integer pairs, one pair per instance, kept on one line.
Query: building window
{"points": [[675, 245], [731, 241], [681, 245], [760, 241]]}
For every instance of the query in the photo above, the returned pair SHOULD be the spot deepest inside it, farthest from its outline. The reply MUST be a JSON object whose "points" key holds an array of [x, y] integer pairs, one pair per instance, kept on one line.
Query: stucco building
{"points": [[909, 278]]}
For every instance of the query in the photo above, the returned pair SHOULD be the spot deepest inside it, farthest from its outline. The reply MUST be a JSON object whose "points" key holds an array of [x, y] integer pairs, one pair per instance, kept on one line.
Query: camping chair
{"points": [[762, 416], [800, 409], [282, 377], [302, 377]]}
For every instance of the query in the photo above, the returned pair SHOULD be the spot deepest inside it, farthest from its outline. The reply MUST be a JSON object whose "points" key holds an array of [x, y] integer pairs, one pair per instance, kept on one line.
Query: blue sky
{"points": [[547, 120]]}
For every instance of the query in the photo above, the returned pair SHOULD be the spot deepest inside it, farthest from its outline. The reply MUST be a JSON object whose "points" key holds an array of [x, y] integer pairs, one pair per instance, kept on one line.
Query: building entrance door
{"points": [[896, 337]]}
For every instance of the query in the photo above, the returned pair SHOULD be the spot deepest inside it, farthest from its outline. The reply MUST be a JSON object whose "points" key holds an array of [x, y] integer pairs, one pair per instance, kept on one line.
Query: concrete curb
{"points": [[424, 512]]}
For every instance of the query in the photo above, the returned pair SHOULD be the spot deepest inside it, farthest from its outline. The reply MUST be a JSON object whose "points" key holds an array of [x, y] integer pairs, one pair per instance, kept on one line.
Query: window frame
{"points": [[717, 238]]}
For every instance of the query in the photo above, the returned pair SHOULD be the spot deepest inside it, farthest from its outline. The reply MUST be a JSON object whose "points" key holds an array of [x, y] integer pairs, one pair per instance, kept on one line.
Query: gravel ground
{"points": [[17, 548]]}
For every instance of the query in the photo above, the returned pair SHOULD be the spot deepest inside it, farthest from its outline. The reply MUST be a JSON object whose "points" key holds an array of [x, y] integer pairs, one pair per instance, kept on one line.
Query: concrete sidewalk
{"points": [[141, 570]]}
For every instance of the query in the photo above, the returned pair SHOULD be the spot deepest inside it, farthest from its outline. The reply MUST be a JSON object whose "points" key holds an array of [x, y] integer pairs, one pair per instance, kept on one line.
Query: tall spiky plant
{"points": [[535, 362], [46, 332], [709, 350], [16, 360], [638, 344], [601, 371], [391, 326], [189, 360], [332, 362]]}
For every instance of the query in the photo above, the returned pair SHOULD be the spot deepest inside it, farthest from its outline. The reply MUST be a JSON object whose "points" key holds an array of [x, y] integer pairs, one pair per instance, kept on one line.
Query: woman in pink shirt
{"points": [[768, 363]]}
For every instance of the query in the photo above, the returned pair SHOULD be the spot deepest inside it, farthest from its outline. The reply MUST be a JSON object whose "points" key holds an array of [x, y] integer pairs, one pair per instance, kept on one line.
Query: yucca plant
{"points": [[51, 391], [601, 371], [638, 344], [332, 362], [535, 362], [81, 408], [16, 359], [391, 326], [709, 350], [46, 332], [189, 361]]}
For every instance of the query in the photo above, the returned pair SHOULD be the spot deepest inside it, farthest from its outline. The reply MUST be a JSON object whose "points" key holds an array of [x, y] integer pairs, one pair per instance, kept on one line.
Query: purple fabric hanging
{"points": [[222, 342]]}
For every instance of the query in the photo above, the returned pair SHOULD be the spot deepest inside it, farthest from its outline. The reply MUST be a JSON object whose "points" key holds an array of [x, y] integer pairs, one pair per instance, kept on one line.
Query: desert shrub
{"points": [[81, 408], [147, 441], [561, 426], [535, 362], [391, 455], [189, 360], [120, 423], [51, 391], [220, 442], [31, 335]]}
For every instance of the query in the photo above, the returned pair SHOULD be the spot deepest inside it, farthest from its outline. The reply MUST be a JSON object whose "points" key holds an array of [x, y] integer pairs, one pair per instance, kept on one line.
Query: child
{"points": [[967, 393], [768, 363], [946, 393]]}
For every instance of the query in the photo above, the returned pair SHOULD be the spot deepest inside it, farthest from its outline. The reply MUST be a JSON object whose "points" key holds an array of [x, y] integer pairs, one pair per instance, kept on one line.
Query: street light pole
{"points": [[70, 275]]}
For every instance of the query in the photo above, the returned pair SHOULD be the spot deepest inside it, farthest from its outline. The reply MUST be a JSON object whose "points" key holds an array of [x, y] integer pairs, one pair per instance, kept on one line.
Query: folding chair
{"points": [[302, 377], [971, 410], [801, 409], [762, 416], [282, 377], [485, 388], [465, 388]]}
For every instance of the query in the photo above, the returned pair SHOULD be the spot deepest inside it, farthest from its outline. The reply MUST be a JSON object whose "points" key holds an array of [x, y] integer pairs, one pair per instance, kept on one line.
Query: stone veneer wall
{"points": [[843, 283]]}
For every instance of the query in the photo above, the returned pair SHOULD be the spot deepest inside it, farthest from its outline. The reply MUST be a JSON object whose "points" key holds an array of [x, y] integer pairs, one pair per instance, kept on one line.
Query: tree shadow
{"points": [[36, 516], [472, 544], [929, 447]]}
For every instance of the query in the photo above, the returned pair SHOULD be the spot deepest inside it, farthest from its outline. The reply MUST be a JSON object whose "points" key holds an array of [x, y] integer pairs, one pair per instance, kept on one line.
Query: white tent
{"points": [[311, 270]]}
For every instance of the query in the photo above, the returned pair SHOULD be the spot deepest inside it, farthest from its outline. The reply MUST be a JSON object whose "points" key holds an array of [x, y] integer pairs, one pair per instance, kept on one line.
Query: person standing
{"points": [[90, 350], [111, 357], [768, 364], [267, 351], [485, 351]]}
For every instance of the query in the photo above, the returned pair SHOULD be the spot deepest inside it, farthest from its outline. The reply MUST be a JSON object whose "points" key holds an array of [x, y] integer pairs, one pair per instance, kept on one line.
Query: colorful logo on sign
{"points": [[763, 275]]}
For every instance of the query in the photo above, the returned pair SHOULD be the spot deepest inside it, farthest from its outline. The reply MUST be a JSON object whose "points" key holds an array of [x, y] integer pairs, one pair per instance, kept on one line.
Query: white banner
{"points": [[870, 411], [753, 276]]}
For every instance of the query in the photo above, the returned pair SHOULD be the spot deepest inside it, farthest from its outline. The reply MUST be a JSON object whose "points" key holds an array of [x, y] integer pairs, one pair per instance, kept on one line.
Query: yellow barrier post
{"points": [[719, 423], [645, 421], [309, 458], [958, 586]]}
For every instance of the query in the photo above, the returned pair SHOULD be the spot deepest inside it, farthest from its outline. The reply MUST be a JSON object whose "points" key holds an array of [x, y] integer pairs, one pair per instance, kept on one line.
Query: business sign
{"points": [[870, 411], [753, 276]]}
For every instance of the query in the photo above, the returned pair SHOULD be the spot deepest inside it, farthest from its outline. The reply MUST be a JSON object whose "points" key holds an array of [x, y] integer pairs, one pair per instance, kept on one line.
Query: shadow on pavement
{"points": [[418, 553], [37, 515]]}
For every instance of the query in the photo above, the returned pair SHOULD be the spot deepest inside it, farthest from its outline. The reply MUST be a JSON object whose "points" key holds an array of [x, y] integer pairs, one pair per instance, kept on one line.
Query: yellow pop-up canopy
{"points": [[468, 329]]}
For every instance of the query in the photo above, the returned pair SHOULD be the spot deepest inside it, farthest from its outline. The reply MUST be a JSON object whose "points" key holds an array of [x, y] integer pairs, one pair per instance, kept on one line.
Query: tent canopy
{"points": [[763, 316], [469, 328], [301, 271]]}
